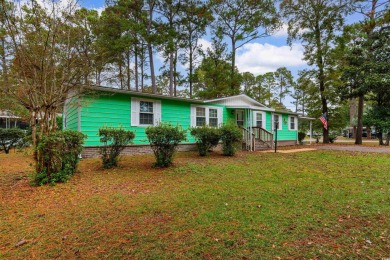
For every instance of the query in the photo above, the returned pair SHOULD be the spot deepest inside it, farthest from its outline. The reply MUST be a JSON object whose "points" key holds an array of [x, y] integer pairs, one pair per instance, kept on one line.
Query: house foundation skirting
{"points": [[287, 143], [93, 151]]}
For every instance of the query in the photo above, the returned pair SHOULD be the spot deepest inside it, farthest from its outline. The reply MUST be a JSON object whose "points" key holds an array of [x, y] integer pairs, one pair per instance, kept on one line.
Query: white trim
{"points": [[264, 118], [135, 111], [280, 122], [295, 123], [243, 116], [241, 95], [207, 114]]}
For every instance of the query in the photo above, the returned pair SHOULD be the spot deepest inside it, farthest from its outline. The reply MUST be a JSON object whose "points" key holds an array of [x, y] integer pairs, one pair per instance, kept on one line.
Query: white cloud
{"points": [[282, 32], [99, 9], [261, 58], [204, 44]]}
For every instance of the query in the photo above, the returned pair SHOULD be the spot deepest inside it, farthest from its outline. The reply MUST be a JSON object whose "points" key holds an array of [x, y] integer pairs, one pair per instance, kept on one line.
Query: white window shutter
{"points": [[193, 116], [264, 120], [220, 116], [280, 122], [254, 117], [157, 112], [134, 111]]}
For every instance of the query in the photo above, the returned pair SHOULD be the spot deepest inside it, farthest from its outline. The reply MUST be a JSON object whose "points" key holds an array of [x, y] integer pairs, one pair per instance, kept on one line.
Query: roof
{"points": [[7, 114], [240, 101], [286, 112], [137, 93], [235, 102], [306, 117]]}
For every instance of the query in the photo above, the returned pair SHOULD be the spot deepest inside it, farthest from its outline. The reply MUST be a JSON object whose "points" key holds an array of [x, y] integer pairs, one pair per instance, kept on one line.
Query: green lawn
{"points": [[321, 204]]}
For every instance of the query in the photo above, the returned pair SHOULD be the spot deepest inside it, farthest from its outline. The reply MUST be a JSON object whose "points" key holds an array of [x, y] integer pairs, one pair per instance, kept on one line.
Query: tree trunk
{"points": [[128, 70], [232, 78], [191, 68], [175, 74], [359, 130], [142, 67], [4, 65], [150, 48], [171, 73], [136, 67], [151, 64], [120, 74]]}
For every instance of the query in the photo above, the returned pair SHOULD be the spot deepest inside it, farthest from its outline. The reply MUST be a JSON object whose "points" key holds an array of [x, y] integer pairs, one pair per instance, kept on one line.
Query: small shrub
{"points": [[58, 156], [10, 138], [206, 138], [164, 140], [114, 141], [301, 137], [231, 137]]}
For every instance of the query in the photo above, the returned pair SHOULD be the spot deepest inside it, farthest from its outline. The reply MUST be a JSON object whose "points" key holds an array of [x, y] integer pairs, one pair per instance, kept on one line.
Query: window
{"points": [[145, 112], [203, 115], [240, 117], [259, 119], [213, 117], [292, 123], [200, 116], [277, 122]]}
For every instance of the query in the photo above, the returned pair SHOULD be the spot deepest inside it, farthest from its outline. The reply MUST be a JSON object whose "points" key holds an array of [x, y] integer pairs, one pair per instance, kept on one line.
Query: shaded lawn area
{"points": [[322, 204]]}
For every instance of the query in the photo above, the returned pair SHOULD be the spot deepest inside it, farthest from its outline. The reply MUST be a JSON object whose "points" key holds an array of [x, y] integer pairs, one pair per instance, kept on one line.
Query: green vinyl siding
{"points": [[114, 110], [71, 115], [286, 134]]}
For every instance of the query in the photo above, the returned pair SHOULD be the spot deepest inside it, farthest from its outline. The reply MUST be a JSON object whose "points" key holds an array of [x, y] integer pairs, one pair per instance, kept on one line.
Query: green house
{"points": [[102, 106]]}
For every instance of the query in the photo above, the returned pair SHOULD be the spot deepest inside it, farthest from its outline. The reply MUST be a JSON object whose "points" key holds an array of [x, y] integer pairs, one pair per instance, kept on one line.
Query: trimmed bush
{"points": [[114, 141], [58, 155], [231, 137], [206, 138], [10, 138], [164, 139], [301, 137]]}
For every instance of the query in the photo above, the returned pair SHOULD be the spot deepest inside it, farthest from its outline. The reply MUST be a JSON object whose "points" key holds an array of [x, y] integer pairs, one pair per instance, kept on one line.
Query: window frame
{"points": [[135, 111], [196, 116], [280, 120], [207, 115], [150, 113], [295, 123]]}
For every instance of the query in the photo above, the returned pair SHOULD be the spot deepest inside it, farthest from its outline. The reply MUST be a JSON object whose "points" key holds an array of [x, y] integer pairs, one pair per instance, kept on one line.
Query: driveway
{"points": [[354, 148]]}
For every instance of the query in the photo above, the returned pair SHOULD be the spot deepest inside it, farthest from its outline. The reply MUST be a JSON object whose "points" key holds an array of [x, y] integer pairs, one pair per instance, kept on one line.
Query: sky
{"points": [[259, 56]]}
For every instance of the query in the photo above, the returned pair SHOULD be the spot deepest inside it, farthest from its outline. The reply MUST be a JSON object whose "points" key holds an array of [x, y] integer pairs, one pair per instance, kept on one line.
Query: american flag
{"points": [[324, 121]]}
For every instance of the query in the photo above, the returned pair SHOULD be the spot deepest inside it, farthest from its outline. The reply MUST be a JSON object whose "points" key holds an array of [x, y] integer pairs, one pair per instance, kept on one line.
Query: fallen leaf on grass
{"points": [[20, 243]]}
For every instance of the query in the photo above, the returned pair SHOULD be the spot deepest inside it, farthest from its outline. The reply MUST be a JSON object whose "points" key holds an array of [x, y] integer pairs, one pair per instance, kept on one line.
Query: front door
{"points": [[240, 118]]}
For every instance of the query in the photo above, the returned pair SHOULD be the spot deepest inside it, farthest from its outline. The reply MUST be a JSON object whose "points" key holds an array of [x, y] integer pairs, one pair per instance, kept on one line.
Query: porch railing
{"points": [[263, 136], [248, 139]]}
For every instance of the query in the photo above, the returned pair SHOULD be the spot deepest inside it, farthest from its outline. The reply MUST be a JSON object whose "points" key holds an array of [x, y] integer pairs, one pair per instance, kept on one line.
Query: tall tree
{"points": [[303, 89], [213, 74], [169, 13], [240, 21], [194, 18], [48, 60], [316, 23], [4, 45], [267, 85], [285, 82], [373, 11]]}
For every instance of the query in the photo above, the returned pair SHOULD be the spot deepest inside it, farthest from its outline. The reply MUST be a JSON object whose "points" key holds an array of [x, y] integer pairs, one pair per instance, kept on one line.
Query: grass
{"points": [[321, 204]]}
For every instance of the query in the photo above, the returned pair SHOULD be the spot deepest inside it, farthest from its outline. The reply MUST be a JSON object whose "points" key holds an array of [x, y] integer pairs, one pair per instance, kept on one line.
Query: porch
{"points": [[252, 123]]}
